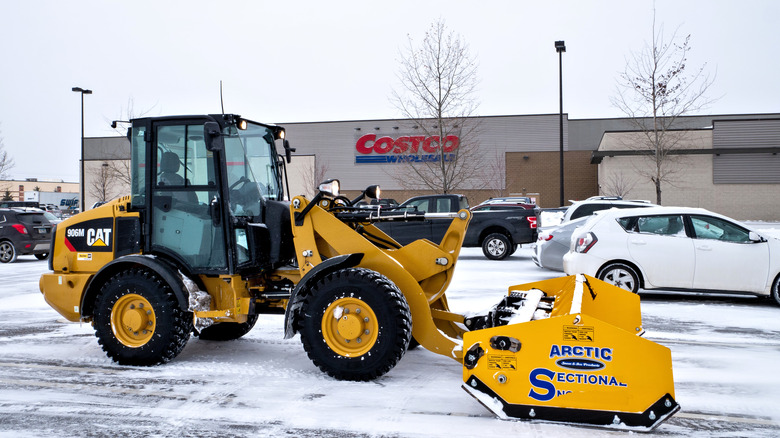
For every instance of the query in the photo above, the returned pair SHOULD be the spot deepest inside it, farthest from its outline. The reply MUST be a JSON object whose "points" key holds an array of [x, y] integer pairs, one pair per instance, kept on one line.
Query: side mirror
{"points": [[755, 237], [213, 136], [287, 150]]}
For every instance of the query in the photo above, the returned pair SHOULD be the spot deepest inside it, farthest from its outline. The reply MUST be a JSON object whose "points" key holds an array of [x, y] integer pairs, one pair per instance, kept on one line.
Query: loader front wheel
{"points": [[356, 324], [620, 275], [138, 321]]}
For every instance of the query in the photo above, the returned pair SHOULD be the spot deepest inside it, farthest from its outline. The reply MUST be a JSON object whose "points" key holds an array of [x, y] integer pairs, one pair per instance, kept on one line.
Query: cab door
{"points": [[184, 223]]}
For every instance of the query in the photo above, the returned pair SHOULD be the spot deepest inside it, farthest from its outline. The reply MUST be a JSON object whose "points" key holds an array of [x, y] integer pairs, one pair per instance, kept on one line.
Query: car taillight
{"points": [[585, 243], [531, 221], [20, 228], [545, 237]]}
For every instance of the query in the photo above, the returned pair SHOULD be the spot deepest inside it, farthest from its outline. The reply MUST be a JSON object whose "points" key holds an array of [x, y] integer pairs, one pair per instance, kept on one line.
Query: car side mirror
{"points": [[213, 136], [755, 237]]}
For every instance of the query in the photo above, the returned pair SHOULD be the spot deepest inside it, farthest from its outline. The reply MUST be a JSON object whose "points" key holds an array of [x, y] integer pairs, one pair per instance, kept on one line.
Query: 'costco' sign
{"points": [[405, 149]]}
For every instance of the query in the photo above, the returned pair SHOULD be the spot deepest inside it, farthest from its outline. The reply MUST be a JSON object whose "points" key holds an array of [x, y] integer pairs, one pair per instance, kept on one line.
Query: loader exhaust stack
{"points": [[568, 350]]}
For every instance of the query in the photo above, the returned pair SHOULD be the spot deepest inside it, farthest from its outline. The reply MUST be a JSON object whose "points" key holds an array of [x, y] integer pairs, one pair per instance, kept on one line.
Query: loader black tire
{"points": [[355, 325], [620, 275], [497, 246], [228, 331], [138, 320]]}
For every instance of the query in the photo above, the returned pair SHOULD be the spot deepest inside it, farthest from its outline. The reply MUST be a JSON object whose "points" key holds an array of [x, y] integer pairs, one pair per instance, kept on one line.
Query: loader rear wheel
{"points": [[356, 324], [496, 246], [138, 321], [620, 275], [228, 331]]}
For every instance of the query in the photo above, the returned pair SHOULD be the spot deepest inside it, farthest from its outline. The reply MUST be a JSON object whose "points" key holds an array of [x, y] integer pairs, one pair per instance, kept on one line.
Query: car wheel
{"points": [[43, 256], [776, 290], [620, 275], [496, 246], [7, 252]]}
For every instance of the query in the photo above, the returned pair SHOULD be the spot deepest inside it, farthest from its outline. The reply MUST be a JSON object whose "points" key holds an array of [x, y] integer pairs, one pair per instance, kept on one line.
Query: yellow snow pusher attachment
{"points": [[569, 350]]}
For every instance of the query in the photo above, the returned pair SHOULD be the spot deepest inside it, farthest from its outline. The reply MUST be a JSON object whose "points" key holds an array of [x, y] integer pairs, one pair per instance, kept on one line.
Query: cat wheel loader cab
{"points": [[206, 206], [206, 243]]}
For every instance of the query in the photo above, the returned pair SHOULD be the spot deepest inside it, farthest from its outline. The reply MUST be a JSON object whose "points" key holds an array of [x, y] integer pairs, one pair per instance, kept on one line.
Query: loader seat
{"points": [[169, 168]]}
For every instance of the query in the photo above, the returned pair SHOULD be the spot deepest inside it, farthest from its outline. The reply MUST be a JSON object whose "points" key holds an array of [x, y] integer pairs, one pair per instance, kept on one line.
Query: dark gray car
{"points": [[24, 233]]}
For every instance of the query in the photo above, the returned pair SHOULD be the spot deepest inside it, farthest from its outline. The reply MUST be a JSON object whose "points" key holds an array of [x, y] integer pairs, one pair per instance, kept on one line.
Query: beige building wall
{"points": [[690, 185], [17, 188]]}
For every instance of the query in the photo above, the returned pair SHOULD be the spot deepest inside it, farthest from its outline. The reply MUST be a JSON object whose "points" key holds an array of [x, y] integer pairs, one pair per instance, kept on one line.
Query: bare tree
{"points": [[618, 184], [315, 174], [438, 82], [494, 177], [654, 90], [6, 162], [102, 184]]}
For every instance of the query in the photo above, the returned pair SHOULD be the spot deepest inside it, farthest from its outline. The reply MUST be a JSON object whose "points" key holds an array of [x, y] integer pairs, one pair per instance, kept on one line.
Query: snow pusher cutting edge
{"points": [[568, 350]]}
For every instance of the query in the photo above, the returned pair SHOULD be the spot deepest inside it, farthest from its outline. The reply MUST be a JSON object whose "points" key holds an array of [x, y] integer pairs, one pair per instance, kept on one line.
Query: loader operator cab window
{"points": [[250, 158], [184, 183], [252, 177]]}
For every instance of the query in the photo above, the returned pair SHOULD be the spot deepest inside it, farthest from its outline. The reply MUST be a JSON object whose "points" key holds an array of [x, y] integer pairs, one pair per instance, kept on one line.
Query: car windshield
{"points": [[250, 157]]}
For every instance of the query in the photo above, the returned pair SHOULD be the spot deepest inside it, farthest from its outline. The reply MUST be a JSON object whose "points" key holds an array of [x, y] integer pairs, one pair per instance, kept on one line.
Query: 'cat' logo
{"points": [[98, 237]]}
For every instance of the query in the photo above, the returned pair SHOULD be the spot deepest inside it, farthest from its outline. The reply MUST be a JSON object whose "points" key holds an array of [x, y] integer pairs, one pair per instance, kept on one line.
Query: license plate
{"points": [[41, 230]]}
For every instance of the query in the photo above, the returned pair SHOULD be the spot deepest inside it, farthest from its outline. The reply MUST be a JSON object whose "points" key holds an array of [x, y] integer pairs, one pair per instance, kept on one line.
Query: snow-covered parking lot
{"points": [[56, 381]]}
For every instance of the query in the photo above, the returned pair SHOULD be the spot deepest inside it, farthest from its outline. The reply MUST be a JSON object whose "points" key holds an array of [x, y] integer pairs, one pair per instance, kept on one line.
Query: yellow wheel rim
{"points": [[350, 327], [133, 320]]}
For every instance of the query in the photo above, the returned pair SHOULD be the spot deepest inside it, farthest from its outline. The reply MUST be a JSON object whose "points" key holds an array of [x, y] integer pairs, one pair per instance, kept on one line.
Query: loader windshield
{"points": [[252, 172]]}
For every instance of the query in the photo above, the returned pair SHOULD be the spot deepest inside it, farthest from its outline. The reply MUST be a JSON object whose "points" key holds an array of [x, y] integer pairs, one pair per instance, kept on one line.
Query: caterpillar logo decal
{"points": [[94, 236]]}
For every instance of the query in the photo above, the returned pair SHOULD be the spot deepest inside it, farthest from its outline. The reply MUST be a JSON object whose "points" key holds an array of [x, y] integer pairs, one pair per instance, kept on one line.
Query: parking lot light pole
{"points": [[81, 194], [560, 47]]}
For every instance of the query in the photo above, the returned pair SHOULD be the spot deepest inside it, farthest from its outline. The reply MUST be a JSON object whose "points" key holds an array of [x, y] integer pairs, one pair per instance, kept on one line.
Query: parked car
{"points": [[385, 202], [553, 244], [675, 248], [500, 206], [523, 201], [498, 232], [23, 233], [553, 241]]}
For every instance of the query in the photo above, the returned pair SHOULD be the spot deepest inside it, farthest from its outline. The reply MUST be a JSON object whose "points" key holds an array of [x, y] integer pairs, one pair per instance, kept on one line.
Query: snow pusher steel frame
{"points": [[579, 359], [565, 350]]}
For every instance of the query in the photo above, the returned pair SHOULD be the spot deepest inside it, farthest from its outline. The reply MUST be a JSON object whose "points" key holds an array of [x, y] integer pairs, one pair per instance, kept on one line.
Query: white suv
{"points": [[675, 248]]}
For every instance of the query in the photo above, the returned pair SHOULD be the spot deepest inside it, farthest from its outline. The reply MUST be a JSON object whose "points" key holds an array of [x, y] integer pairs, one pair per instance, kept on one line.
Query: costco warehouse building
{"points": [[727, 163]]}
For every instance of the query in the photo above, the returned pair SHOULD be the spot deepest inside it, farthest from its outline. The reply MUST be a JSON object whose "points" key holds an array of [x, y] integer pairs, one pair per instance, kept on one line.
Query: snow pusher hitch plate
{"points": [[569, 350]]}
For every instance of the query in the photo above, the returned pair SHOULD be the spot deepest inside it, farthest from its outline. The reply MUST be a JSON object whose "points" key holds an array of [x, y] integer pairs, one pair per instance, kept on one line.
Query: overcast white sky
{"points": [[303, 61]]}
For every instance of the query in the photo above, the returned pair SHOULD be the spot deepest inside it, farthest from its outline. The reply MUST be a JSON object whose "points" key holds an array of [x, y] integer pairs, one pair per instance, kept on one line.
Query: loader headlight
{"points": [[373, 192], [330, 187]]}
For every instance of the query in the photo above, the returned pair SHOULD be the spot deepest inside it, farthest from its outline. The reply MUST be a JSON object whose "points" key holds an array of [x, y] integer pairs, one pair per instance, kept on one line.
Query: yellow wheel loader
{"points": [[205, 243]]}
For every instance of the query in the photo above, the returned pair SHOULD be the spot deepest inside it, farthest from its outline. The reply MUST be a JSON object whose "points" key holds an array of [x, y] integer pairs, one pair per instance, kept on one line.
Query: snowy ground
{"points": [[56, 381]]}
